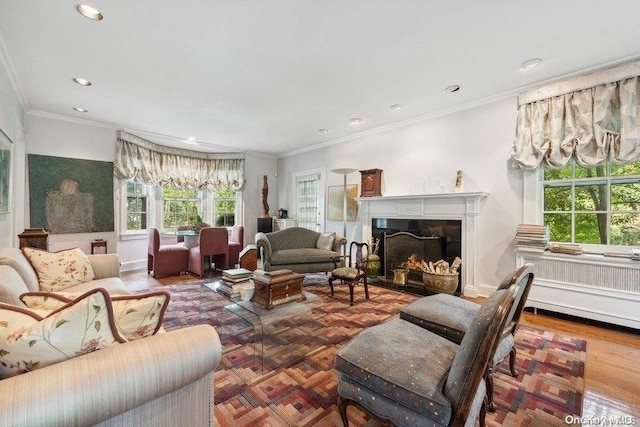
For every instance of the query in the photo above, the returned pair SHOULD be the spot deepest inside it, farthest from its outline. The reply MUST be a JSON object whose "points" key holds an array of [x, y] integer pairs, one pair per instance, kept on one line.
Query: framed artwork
{"points": [[335, 196], [6, 148], [70, 195]]}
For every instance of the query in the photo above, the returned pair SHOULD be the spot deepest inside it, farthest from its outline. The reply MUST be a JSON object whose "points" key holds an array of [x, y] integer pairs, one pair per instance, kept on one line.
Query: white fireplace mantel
{"points": [[444, 206]]}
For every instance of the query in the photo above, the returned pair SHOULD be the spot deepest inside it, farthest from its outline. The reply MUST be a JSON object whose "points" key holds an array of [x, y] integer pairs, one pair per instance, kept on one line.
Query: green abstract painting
{"points": [[70, 195]]}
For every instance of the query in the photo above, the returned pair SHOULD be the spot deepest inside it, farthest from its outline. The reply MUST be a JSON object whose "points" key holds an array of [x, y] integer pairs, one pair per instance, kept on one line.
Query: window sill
{"points": [[610, 258]]}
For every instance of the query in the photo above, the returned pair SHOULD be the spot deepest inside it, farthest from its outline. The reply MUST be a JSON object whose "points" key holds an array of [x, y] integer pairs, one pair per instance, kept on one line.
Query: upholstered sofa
{"points": [[160, 380], [299, 249]]}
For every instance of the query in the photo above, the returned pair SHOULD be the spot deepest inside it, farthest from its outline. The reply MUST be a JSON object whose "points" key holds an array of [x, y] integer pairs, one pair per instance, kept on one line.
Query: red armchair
{"points": [[236, 244], [214, 243], [165, 260]]}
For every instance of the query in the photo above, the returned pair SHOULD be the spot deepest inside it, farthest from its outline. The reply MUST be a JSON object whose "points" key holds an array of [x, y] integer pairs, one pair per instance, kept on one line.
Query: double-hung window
{"points": [[179, 206], [593, 206], [137, 206], [224, 208]]}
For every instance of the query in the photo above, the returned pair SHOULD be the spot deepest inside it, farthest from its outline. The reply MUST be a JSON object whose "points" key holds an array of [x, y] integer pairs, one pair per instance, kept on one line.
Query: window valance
{"points": [[137, 158], [591, 125]]}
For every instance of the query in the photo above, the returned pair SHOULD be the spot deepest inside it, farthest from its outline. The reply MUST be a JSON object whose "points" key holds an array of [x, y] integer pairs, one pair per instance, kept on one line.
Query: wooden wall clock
{"points": [[371, 184]]}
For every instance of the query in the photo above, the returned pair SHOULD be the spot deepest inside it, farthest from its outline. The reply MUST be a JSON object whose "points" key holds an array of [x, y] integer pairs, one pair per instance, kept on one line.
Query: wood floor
{"points": [[612, 373]]}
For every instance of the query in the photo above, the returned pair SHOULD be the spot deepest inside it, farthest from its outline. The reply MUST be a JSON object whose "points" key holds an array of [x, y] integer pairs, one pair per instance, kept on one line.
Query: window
{"points": [[224, 208], [309, 200], [598, 205], [137, 199], [179, 206]]}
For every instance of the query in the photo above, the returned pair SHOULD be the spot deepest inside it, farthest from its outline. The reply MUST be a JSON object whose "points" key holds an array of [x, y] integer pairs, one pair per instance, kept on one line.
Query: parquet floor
{"points": [[612, 373]]}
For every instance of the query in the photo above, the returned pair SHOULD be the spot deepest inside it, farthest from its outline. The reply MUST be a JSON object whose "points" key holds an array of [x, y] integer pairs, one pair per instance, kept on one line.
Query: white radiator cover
{"points": [[589, 286]]}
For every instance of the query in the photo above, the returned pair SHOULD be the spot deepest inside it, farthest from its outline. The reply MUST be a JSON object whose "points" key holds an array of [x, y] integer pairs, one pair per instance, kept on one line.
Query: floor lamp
{"points": [[344, 172]]}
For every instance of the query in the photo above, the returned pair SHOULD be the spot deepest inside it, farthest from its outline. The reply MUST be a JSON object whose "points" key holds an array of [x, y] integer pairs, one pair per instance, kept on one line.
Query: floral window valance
{"points": [[592, 125], [159, 165]]}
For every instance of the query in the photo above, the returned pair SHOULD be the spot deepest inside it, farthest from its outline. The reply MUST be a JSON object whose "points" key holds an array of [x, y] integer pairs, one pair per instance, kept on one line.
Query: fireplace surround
{"points": [[463, 208]]}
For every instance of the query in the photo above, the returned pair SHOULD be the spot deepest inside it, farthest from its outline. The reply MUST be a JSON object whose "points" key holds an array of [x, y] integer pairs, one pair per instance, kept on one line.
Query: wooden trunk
{"points": [[270, 295]]}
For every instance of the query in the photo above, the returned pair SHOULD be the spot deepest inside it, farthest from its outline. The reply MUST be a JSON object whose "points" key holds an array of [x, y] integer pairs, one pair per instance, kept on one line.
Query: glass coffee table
{"points": [[282, 334]]}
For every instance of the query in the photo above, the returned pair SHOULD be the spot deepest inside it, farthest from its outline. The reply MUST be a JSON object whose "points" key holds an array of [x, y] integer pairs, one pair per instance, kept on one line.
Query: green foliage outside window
{"points": [[179, 206], [136, 206], [225, 208], [599, 205]]}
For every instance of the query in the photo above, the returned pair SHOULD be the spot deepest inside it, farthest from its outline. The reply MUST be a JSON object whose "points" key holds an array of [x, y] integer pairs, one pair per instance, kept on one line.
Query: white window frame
{"points": [[151, 214], [321, 172], [155, 210], [533, 207]]}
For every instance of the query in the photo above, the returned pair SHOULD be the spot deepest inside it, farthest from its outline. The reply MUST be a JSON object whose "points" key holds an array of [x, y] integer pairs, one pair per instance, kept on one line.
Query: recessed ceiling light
{"points": [[80, 109], [323, 130], [396, 107], [355, 121], [452, 88], [89, 12], [81, 81], [531, 63]]}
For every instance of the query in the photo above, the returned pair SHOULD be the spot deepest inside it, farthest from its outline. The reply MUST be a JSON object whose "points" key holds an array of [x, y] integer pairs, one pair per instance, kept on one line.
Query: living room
{"points": [[418, 152]]}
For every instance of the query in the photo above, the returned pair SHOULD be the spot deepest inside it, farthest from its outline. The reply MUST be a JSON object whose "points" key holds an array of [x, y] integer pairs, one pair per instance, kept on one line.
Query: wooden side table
{"points": [[249, 258], [34, 238], [97, 244]]}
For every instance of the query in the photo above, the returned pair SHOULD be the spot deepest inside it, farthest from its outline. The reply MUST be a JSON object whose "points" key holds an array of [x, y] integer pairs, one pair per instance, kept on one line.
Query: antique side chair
{"points": [[354, 270]]}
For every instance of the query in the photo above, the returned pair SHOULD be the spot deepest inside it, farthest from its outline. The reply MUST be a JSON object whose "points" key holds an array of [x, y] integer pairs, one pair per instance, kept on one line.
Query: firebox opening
{"points": [[406, 243]]}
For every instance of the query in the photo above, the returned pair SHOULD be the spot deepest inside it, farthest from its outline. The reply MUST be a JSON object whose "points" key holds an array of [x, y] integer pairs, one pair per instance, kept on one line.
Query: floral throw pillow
{"points": [[135, 316], [29, 341], [60, 270]]}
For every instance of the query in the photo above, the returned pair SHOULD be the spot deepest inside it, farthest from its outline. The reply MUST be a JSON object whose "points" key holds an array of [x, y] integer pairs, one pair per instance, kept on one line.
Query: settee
{"points": [[299, 249], [160, 380]]}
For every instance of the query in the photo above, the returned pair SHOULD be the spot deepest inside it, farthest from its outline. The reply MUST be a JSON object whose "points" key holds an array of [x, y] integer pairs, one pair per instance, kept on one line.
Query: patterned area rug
{"points": [[295, 385]]}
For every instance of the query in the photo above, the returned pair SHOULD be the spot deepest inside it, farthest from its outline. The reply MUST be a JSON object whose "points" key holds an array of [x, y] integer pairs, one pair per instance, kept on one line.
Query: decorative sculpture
{"points": [[265, 193], [459, 182]]}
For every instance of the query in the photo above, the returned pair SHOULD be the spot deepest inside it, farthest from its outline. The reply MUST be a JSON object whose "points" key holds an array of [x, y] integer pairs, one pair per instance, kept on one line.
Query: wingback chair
{"points": [[165, 260], [404, 374], [214, 245], [236, 244]]}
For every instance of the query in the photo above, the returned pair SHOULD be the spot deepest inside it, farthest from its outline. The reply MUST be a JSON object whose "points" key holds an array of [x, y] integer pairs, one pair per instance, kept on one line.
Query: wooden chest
{"points": [[270, 295]]}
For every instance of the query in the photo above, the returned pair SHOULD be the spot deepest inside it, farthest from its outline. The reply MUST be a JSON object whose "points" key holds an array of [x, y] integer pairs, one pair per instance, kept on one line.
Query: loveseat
{"points": [[299, 249], [160, 380]]}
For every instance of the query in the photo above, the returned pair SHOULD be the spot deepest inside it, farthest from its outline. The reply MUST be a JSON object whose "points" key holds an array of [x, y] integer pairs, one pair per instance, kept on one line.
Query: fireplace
{"points": [[419, 240], [452, 217]]}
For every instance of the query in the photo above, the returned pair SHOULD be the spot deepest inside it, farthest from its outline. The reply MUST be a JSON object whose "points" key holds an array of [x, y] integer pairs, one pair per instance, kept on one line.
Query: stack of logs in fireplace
{"points": [[438, 267]]}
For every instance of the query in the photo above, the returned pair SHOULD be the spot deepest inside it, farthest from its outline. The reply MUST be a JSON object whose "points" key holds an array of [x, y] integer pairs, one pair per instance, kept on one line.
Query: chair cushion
{"points": [[389, 357], [503, 350], [346, 273], [302, 256], [446, 315]]}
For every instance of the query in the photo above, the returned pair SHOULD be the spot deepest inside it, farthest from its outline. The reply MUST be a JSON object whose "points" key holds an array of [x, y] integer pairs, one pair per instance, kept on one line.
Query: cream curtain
{"points": [[591, 125], [155, 164]]}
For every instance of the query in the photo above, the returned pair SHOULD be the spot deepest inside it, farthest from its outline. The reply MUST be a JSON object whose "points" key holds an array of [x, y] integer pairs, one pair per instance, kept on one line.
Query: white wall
{"points": [[416, 156], [52, 136], [11, 124]]}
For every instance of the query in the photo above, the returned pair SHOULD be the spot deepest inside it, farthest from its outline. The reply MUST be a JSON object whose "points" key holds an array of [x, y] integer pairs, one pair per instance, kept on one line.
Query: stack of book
{"points": [[566, 248], [235, 281], [532, 237]]}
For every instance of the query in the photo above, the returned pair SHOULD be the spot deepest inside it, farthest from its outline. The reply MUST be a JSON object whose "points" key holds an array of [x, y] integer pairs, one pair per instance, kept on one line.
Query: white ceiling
{"points": [[266, 75]]}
